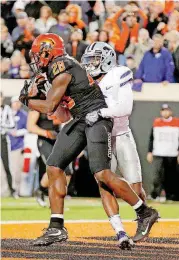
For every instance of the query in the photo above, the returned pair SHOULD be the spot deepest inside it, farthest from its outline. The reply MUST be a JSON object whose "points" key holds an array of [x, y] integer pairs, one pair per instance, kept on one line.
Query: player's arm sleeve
{"points": [[143, 18], [151, 140], [123, 105]]}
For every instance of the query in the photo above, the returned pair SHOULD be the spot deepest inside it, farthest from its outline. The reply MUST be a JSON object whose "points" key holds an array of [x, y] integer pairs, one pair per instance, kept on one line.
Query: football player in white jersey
{"points": [[115, 82]]}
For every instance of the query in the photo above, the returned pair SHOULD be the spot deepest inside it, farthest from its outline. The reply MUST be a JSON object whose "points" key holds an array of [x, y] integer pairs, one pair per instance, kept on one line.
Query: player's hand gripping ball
{"points": [[61, 115], [24, 98], [38, 88]]}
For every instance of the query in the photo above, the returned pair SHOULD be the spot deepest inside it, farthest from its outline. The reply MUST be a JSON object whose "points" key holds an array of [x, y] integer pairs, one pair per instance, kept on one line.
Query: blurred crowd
{"points": [[144, 34]]}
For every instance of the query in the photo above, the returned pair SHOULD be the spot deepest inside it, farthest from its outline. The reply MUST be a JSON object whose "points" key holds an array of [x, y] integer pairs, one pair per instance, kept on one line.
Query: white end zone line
{"points": [[77, 221]]}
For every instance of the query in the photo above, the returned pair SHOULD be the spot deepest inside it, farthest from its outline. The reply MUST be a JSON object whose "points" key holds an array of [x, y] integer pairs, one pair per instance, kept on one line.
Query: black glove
{"points": [[42, 86], [24, 98], [92, 117], [41, 90]]}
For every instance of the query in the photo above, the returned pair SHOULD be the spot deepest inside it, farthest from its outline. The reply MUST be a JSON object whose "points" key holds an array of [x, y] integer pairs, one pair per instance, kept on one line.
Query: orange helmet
{"points": [[44, 49]]}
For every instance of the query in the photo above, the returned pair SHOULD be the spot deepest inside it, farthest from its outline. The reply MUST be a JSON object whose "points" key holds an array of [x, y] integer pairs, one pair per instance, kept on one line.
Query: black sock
{"points": [[41, 188], [44, 190], [56, 223], [141, 209]]}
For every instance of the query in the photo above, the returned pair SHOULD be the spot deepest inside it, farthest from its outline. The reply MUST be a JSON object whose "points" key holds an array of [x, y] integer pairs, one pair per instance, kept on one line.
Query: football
{"points": [[61, 115]]}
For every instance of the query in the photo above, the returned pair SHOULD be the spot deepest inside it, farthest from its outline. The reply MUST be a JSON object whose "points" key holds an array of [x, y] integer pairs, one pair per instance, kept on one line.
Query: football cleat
{"points": [[50, 236], [125, 243], [145, 223]]}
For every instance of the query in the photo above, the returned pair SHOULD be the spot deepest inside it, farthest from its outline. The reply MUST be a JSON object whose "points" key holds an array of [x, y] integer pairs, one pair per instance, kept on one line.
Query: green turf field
{"points": [[75, 209]]}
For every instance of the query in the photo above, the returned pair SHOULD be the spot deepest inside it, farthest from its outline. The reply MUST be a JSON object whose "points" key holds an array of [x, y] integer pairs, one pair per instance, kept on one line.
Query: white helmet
{"points": [[99, 58]]}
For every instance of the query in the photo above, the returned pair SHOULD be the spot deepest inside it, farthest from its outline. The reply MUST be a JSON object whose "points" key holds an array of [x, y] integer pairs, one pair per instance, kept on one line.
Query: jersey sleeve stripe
{"points": [[125, 82], [125, 74]]}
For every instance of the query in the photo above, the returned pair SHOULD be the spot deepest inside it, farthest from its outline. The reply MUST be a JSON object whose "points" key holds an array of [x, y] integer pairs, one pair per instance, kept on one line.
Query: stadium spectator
{"points": [[129, 27], [87, 8], [2, 22], [113, 31], [76, 47], [163, 153], [112, 8], [103, 36], [138, 49], [75, 18], [92, 37], [18, 7], [173, 24], [26, 38], [169, 7], [156, 15], [21, 19], [16, 61], [131, 63], [46, 21], [57, 6], [24, 70], [144, 5], [7, 15], [33, 8], [174, 48], [176, 5], [5, 66], [16, 136], [157, 64], [6, 43], [6, 123], [63, 29]]}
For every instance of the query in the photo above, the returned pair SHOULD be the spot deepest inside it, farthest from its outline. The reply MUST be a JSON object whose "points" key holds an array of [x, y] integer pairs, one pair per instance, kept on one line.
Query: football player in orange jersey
{"points": [[70, 84]]}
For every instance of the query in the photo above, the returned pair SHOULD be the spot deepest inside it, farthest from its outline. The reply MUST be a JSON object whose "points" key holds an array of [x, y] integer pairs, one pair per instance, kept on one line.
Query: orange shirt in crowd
{"points": [[169, 6], [124, 31], [74, 12]]}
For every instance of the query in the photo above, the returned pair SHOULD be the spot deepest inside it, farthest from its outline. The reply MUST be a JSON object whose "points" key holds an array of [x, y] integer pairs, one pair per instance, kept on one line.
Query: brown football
{"points": [[61, 115]]}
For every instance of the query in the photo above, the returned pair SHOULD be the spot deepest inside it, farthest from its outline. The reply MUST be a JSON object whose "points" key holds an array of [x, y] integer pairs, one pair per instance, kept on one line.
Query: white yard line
{"points": [[77, 221]]}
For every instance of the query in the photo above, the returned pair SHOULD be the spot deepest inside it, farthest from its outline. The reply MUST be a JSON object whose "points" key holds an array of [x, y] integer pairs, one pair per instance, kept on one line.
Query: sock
{"points": [[44, 190], [56, 221], [139, 207], [116, 223]]}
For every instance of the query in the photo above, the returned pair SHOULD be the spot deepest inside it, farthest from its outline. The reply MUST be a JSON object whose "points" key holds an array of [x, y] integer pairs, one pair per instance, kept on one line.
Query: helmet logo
{"points": [[47, 44]]}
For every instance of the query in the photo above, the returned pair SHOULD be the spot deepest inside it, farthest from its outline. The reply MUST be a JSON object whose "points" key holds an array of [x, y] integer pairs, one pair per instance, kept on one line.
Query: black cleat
{"points": [[125, 243], [50, 236], [145, 223]]}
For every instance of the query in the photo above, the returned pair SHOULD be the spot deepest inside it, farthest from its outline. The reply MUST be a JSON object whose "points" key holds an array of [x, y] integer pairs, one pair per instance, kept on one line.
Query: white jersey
{"points": [[116, 86]]}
